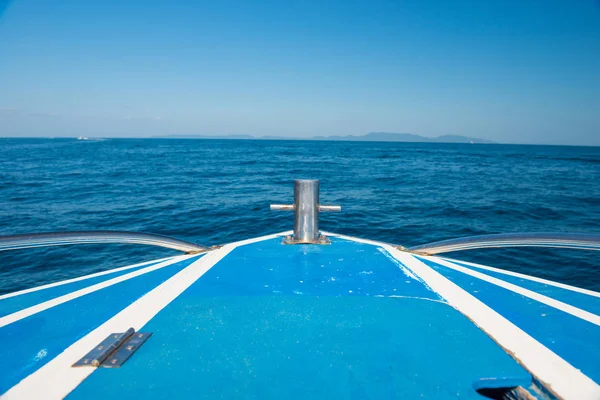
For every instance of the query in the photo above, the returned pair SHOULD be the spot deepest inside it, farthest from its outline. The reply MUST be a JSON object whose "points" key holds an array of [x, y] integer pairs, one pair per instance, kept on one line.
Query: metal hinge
{"points": [[113, 351]]}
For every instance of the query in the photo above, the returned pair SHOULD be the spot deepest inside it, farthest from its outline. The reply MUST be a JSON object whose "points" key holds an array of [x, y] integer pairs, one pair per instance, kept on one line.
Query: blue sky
{"points": [[508, 71]]}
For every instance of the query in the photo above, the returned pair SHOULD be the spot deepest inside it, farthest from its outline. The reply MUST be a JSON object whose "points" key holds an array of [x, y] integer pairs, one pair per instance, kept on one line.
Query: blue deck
{"points": [[344, 268], [307, 347], [339, 321]]}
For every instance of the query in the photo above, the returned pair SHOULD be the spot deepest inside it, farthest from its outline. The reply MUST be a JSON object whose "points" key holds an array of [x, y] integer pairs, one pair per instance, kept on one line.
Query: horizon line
{"points": [[282, 139]]}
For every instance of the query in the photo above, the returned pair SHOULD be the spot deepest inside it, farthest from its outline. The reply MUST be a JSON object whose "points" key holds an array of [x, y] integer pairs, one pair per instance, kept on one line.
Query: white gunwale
{"points": [[26, 312], [549, 301], [80, 278], [527, 277]]}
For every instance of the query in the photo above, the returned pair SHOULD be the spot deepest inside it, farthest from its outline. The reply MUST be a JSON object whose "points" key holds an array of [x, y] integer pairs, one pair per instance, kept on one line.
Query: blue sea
{"points": [[218, 191]]}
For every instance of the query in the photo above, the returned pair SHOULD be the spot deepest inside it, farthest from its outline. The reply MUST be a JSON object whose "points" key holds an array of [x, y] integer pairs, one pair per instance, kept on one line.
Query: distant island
{"points": [[403, 137], [369, 137]]}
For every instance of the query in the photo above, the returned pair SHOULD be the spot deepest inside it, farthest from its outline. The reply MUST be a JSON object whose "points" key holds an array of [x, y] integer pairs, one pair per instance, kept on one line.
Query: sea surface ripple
{"points": [[218, 191]]}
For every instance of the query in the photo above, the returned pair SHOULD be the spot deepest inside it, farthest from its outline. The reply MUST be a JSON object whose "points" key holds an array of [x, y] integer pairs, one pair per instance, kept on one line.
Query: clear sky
{"points": [[508, 71]]}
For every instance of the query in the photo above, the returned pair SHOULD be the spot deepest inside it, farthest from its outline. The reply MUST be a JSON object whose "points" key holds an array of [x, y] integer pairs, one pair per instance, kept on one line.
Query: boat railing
{"points": [[27, 241], [577, 241]]}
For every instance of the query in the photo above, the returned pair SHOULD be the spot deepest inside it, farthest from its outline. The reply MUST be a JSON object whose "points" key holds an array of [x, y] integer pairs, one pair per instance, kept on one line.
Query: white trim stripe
{"points": [[16, 316], [527, 277], [81, 278], [562, 378], [259, 239], [57, 378], [355, 239], [549, 301]]}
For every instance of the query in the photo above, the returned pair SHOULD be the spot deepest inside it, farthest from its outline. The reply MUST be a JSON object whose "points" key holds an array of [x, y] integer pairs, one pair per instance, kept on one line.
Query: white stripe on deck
{"points": [[19, 315], [549, 301], [81, 278], [57, 378], [355, 239], [527, 277], [559, 376]]}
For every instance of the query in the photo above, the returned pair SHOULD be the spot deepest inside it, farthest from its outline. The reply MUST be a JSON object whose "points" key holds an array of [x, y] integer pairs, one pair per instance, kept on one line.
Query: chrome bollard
{"points": [[306, 209]]}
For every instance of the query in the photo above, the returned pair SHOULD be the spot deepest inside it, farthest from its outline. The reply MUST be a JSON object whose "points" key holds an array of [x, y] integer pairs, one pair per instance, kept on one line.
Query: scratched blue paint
{"points": [[299, 347], [573, 339], [20, 302], [344, 268], [580, 300], [28, 344], [267, 322]]}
